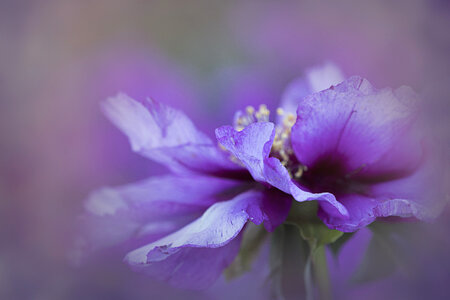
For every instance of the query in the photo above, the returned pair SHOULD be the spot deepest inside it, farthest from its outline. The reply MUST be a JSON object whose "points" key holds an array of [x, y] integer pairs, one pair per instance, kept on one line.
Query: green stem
{"points": [[321, 273]]}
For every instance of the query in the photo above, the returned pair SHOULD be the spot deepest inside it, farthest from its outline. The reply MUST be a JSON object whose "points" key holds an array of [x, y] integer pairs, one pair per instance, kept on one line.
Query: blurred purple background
{"points": [[59, 59]]}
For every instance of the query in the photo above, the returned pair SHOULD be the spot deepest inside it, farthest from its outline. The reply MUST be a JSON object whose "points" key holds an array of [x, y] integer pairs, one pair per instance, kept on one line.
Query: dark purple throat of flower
{"points": [[330, 174]]}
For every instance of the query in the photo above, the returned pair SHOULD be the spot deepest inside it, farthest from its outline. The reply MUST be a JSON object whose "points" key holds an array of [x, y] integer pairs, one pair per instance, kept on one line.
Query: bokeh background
{"points": [[59, 59]]}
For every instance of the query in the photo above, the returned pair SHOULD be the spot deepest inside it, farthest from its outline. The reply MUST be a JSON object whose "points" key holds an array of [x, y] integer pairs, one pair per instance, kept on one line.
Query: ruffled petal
{"points": [[121, 234], [166, 135], [193, 268], [190, 246], [360, 213], [421, 195], [278, 176], [374, 141], [147, 210], [369, 130], [251, 147]]}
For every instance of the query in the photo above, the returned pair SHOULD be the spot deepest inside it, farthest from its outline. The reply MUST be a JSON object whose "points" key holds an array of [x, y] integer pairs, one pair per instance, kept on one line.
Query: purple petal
{"points": [[163, 195], [218, 226], [417, 195], [149, 209], [194, 268], [315, 80], [275, 207], [166, 135], [369, 129], [360, 213], [421, 195], [252, 147], [121, 233], [277, 175]]}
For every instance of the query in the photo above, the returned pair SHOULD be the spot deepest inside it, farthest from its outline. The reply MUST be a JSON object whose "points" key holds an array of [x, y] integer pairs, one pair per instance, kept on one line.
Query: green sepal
{"points": [[318, 235], [304, 216]]}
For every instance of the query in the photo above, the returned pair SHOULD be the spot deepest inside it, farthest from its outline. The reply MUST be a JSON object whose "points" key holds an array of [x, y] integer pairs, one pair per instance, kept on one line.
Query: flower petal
{"points": [[422, 195], [216, 229], [149, 209], [166, 135], [368, 129], [277, 175], [360, 213], [193, 268], [315, 80], [252, 147]]}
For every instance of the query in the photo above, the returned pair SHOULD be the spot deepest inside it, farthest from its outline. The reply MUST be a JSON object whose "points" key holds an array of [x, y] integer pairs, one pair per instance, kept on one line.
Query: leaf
{"points": [[252, 240]]}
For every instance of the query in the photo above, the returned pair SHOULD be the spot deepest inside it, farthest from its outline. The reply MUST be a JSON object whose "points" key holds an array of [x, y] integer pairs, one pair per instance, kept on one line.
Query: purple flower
{"points": [[353, 149]]}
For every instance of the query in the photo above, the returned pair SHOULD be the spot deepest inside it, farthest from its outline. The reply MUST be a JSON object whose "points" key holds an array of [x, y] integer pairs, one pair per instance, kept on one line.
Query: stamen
{"points": [[289, 120], [251, 115], [281, 147], [280, 111], [250, 110], [300, 171]]}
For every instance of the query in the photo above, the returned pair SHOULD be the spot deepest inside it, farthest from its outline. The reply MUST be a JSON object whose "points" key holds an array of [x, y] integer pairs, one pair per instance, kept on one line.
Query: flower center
{"points": [[281, 147], [328, 174]]}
